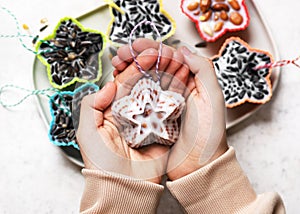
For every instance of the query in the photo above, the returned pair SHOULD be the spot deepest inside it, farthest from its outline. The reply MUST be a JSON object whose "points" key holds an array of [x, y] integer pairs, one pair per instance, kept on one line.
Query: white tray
{"points": [[257, 35]]}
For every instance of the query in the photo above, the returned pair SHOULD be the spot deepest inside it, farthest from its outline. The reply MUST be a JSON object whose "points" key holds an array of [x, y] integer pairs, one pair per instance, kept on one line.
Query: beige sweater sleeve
{"points": [[222, 187], [111, 193]]}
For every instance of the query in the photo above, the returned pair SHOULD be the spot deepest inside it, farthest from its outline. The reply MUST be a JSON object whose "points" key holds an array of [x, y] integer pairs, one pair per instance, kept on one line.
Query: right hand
{"points": [[203, 132]]}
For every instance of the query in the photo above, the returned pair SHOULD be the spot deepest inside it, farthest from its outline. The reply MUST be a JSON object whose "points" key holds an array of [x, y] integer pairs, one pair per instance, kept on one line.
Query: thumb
{"points": [[103, 98], [92, 106], [208, 89], [203, 69]]}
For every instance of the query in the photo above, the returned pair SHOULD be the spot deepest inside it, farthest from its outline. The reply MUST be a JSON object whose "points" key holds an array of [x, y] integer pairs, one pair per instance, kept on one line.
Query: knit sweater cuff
{"points": [[112, 193], [219, 186]]}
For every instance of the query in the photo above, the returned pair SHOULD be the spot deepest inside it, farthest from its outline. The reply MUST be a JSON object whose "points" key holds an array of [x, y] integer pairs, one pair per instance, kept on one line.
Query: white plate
{"points": [[257, 35]]}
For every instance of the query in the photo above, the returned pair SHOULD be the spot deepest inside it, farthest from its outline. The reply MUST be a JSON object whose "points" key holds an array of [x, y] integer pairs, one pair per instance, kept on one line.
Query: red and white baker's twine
{"points": [[280, 63], [159, 50]]}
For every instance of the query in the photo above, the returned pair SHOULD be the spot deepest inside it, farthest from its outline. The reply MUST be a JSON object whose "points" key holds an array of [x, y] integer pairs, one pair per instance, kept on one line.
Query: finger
{"points": [[141, 44], [190, 86], [173, 66], [125, 54], [118, 63], [131, 74], [167, 52], [115, 73], [203, 69], [103, 98], [178, 83]]}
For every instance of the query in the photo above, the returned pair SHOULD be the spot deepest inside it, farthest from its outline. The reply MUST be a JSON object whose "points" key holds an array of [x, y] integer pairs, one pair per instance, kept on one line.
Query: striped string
{"points": [[19, 35], [146, 22], [44, 92], [280, 63]]}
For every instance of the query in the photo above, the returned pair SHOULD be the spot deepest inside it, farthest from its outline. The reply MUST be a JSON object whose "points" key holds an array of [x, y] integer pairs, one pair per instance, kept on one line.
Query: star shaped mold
{"points": [[65, 109], [148, 115], [136, 11], [241, 82], [214, 18], [72, 53]]}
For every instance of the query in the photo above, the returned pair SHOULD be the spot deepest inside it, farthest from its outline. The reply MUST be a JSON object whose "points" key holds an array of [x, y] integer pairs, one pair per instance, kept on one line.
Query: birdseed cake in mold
{"points": [[72, 53], [65, 110], [136, 11], [148, 115], [213, 18], [241, 82]]}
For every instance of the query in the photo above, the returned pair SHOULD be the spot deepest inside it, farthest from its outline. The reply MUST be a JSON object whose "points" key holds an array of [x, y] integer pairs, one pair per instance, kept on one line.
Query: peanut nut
{"points": [[207, 29], [205, 16], [224, 15], [218, 26], [236, 18], [220, 6], [205, 5], [234, 4], [193, 6]]}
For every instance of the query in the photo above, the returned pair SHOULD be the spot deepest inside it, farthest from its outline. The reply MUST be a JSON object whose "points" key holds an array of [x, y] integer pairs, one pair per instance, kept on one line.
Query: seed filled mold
{"points": [[213, 18], [65, 110], [72, 53], [236, 71], [135, 12], [148, 115]]}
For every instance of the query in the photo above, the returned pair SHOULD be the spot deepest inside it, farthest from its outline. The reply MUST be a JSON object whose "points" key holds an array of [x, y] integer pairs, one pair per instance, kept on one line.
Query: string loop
{"points": [[146, 22], [44, 92]]}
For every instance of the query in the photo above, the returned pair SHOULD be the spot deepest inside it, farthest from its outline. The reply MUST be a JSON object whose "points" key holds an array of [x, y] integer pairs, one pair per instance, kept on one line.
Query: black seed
{"points": [[56, 79], [233, 61], [35, 39], [240, 64], [242, 50], [234, 101], [61, 136], [54, 107], [217, 66], [242, 94], [43, 28], [227, 98], [234, 94], [224, 76], [71, 135], [249, 93], [265, 92], [53, 128], [239, 82], [224, 52], [58, 131], [201, 45], [258, 95], [266, 59], [251, 57]]}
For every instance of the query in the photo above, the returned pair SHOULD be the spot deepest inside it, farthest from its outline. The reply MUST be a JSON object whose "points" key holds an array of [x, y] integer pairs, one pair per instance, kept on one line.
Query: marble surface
{"points": [[37, 178]]}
